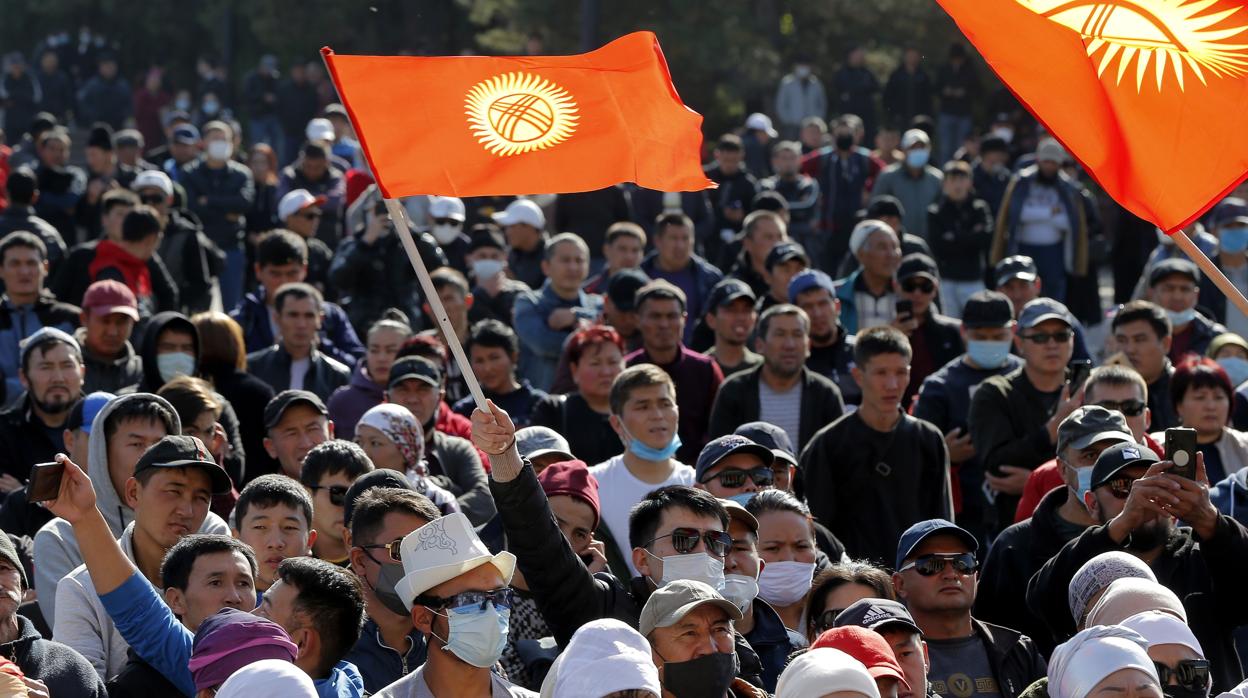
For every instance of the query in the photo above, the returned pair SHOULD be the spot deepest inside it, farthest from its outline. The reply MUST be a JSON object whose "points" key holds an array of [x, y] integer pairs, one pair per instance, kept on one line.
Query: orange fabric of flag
{"points": [[1149, 95], [486, 126]]}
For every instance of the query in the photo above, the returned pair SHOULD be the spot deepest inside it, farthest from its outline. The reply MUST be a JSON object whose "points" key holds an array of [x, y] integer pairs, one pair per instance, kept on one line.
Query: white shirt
{"points": [[298, 371], [619, 491], [783, 409]]}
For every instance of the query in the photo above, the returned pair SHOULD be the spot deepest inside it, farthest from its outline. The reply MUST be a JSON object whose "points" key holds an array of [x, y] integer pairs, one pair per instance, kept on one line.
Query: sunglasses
{"points": [[825, 620], [152, 199], [1120, 487], [923, 285], [733, 478], [1061, 337], [337, 493], [684, 540], [391, 548], [501, 598], [1192, 674], [1130, 408], [311, 215], [447, 221], [931, 565]]}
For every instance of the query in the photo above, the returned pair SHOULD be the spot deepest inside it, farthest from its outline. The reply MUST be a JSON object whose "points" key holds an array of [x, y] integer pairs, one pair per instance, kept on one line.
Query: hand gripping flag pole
{"points": [[1208, 267]]}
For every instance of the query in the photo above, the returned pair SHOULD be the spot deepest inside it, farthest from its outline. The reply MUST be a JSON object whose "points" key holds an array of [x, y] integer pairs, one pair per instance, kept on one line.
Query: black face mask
{"points": [[1184, 692], [844, 141], [705, 677], [388, 576]]}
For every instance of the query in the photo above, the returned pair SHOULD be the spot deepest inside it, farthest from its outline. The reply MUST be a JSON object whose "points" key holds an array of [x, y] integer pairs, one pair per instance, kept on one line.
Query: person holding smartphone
{"points": [[934, 338]]}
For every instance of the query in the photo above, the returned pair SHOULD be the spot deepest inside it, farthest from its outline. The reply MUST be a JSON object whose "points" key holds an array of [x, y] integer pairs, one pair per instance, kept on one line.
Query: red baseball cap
{"points": [[107, 297], [868, 647]]}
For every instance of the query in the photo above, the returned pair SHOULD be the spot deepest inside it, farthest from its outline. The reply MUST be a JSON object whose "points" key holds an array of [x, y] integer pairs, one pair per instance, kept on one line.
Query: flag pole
{"points": [[398, 217], [1206, 265]]}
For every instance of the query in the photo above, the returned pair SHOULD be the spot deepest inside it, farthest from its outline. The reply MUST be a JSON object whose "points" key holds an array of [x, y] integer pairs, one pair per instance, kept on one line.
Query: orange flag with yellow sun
{"points": [[480, 126], [1151, 96]]}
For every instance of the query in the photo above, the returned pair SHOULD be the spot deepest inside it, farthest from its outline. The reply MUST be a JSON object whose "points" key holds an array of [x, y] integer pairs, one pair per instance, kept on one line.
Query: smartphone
{"points": [[1078, 371], [905, 308], [1181, 448], [45, 482]]}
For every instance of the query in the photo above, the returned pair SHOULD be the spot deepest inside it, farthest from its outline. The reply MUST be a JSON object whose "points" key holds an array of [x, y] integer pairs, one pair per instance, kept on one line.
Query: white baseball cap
{"points": [[440, 551], [153, 178], [759, 121], [913, 137], [319, 130], [446, 207], [295, 201], [521, 211]]}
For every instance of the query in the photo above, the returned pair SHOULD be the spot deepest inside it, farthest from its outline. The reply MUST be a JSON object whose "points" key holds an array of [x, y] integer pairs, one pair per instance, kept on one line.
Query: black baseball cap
{"points": [[381, 477], [289, 398], [485, 235], [184, 452], [727, 291], [724, 446], [622, 288], [1170, 267], [417, 367], [886, 206], [1017, 267], [917, 264], [922, 530], [1118, 457], [784, 252], [876, 614], [769, 436], [987, 309]]}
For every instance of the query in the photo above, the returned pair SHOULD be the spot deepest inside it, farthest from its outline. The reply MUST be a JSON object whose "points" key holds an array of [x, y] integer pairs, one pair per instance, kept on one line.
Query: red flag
{"points": [[1149, 95], [476, 126]]}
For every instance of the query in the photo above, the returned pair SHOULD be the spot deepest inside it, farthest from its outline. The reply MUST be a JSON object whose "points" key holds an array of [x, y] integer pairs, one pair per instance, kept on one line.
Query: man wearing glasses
{"points": [[328, 471], [300, 212], [734, 467], [1135, 503], [936, 577], [1014, 418]]}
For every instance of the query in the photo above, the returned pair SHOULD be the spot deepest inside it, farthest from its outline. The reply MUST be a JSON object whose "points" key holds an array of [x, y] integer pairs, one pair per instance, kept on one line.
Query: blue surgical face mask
{"points": [[175, 364], [1235, 367], [1234, 240], [917, 158], [645, 452], [1085, 481], [477, 635], [1181, 317], [743, 498], [987, 353]]}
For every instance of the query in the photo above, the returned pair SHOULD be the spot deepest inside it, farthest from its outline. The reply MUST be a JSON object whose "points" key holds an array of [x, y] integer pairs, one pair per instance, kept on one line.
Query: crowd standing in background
{"points": [[884, 414]]}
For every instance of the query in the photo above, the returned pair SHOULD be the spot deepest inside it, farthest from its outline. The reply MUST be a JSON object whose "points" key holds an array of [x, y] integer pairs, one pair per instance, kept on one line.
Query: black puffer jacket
{"points": [[1014, 659], [65, 672]]}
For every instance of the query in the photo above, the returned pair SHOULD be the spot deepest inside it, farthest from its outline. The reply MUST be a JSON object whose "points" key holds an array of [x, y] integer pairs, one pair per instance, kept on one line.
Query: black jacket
{"points": [[72, 279], [65, 672], [566, 593], [324, 376], [248, 395], [738, 402], [109, 375], [1207, 575], [137, 679], [371, 278], [942, 342], [960, 233], [1014, 659], [226, 195], [192, 259], [24, 440], [17, 217]]}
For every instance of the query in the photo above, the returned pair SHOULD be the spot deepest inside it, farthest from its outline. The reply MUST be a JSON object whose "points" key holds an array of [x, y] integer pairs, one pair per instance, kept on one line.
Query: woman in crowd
{"points": [[1180, 660], [1203, 395], [839, 586], [368, 380], [393, 439], [786, 543], [223, 361], [1231, 352], [1103, 661], [596, 357]]}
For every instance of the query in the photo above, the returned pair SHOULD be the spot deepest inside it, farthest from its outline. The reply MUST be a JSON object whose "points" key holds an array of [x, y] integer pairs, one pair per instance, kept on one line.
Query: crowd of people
{"points": [[854, 423]]}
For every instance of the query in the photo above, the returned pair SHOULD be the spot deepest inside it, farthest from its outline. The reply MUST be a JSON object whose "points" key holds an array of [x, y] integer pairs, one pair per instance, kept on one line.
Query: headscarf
{"points": [[231, 639], [1124, 598], [1084, 660], [1240, 691], [821, 671], [1097, 573], [268, 677], [603, 657], [1161, 628], [398, 424]]}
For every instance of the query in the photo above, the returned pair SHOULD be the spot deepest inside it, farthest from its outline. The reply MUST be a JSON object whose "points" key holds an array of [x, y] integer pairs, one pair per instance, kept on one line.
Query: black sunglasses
{"points": [[1130, 408], [931, 565], [447, 221], [311, 215], [337, 493], [825, 620], [1120, 487], [152, 199], [684, 540], [733, 478], [1192, 674], [920, 284], [391, 548], [1061, 336], [501, 598]]}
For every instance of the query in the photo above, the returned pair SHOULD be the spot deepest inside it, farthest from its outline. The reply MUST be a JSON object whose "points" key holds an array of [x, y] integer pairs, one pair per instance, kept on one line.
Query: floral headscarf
{"points": [[398, 424]]}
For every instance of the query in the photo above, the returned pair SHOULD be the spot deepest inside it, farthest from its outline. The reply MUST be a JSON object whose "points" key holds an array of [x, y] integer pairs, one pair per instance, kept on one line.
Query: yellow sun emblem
{"points": [[1156, 32], [518, 113]]}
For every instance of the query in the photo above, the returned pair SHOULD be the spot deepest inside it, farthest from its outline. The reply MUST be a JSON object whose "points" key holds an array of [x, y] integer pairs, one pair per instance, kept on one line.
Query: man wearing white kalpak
{"points": [[460, 599]]}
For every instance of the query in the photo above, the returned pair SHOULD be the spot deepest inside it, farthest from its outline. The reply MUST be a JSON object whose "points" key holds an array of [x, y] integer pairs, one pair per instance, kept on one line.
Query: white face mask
{"points": [[785, 583], [484, 269], [445, 234], [699, 567], [220, 150], [740, 590]]}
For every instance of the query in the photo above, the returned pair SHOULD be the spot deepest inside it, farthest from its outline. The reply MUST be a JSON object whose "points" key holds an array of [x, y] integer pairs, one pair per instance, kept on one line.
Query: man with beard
{"points": [[1134, 501], [32, 430]]}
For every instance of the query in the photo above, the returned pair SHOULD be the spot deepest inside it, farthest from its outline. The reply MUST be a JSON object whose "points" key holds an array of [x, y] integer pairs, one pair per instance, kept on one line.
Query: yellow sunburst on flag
{"points": [[1186, 34], [520, 112]]}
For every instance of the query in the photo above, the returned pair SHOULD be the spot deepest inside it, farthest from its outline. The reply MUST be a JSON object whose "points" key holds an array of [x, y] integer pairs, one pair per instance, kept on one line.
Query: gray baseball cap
{"points": [[1092, 424], [673, 601]]}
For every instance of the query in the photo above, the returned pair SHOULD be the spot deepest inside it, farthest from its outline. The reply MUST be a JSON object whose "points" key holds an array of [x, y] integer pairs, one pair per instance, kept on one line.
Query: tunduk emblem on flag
{"points": [[519, 113]]}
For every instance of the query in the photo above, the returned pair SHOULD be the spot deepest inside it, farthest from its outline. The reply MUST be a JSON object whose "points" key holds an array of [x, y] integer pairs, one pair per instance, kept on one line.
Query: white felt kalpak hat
{"points": [[440, 551]]}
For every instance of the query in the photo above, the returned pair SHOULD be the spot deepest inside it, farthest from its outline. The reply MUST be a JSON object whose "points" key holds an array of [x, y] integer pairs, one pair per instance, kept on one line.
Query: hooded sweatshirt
{"points": [[56, 546], [84, 625], [351, 401], [109, 375]]}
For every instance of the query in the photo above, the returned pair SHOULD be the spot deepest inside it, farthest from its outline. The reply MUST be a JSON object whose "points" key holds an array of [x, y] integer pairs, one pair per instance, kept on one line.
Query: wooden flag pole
{"points": [[1211, 270], [398, 217]]}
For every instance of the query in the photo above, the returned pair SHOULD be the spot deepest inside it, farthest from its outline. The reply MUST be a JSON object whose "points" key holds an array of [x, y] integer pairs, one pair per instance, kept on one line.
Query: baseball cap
{"points": [[785, 252], [868, 647], [670, 603], [913, 137], [886, 205], [1169, 267], [335, 109], [184, 452], [485, 236], [769, 436], [381, 477], [987, 309], [571, 478], [1115, 458], [447, 207], [1049, 150], [186, 134], [729, 290], [319, 129], [724, 446], [917, 264], [295, 201], [1016, 267], [417, 367], [760, 122], [128, 137], [83, 413], [154, 179], [289, 398], [521, 211], [807, 279], [1041, 309], [1090, 424], [874, 614], [740, 513], [1226, 339], [108, 296], [535, 442], [622, 288], [922, 530], [1229, 209]]}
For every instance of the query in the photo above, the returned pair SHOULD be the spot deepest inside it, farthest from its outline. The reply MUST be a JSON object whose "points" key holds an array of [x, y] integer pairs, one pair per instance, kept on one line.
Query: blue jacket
{"points": [[381, 665], [541, 346], [18, 323], [338, 338], [1231, 496], [156, 636], [1005, 241], [705, 276], [845, 294]]}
